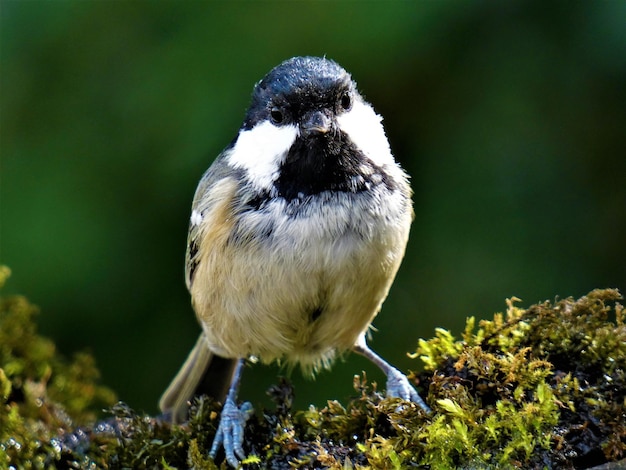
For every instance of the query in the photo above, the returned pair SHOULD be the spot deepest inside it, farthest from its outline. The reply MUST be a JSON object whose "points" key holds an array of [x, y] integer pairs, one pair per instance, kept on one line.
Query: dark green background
{"points": [[510, 117]]}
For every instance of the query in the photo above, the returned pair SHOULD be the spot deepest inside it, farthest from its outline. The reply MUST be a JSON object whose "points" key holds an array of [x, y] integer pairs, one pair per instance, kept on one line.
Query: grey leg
{"points": [[232, 422], [397, 383]]}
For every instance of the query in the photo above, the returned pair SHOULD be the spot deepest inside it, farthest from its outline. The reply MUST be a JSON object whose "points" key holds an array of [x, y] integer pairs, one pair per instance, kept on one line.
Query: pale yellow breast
{"points": [[301, 303]]}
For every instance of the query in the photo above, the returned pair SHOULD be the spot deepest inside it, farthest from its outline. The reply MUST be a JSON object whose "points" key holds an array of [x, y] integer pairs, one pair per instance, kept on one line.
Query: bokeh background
{"points": [[509, 116]]}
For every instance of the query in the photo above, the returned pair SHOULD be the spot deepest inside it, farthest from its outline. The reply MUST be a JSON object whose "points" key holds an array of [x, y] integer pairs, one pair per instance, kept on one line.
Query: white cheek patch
{"points": [[365, 129], [261, 150]]}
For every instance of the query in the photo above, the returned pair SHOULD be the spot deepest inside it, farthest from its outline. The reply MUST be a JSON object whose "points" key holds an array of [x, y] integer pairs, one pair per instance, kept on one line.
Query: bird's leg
{"points": [[232, 422], [397, 383]]}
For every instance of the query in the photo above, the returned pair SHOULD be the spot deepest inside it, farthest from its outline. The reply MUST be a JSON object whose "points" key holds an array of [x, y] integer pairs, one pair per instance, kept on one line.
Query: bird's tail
{"points": [[203, 373]]}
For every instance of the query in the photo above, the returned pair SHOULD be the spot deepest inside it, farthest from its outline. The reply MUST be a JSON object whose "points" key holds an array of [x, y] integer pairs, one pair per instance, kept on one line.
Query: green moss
{"points": [[43, 396], [543, 387]]}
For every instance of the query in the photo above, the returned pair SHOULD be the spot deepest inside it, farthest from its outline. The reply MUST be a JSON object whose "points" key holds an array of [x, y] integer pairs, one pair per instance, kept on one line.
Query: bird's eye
{"points": [[345, 102], [277, 115]]}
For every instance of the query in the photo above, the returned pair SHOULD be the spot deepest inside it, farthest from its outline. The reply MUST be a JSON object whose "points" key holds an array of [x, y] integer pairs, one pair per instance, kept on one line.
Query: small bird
{"points": [[296, 233]]}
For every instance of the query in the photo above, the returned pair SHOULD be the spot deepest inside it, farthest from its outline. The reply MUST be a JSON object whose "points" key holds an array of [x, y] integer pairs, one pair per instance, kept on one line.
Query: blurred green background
{"points": [[510, 117]]}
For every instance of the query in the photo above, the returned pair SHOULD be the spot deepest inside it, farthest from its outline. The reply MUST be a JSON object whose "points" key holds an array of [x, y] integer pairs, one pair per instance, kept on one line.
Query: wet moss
{"points": [[44, 398]]}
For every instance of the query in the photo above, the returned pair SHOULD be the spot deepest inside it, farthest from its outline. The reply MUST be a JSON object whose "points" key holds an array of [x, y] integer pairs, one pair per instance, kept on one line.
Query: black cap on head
{"points": [[298, 83]]}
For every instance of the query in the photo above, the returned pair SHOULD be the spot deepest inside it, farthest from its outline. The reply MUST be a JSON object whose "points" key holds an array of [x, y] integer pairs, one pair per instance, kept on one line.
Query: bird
{"points": [[297, 231]]}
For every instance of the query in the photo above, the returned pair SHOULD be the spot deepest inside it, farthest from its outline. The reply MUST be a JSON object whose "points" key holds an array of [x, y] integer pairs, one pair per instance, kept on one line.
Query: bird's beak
{"points": [[315, 123]]}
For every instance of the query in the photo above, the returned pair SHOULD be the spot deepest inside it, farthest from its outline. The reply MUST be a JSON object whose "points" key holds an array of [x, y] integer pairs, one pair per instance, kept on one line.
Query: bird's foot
{"points": [[398, 386], [229, 433]]}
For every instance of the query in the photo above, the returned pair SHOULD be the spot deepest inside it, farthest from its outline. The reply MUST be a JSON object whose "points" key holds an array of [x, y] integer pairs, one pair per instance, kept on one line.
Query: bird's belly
{"points": [[298, 297]]}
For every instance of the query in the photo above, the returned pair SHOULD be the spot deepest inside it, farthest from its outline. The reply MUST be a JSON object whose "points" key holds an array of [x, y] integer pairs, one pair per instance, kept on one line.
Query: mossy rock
{"points": [[543, 387]]}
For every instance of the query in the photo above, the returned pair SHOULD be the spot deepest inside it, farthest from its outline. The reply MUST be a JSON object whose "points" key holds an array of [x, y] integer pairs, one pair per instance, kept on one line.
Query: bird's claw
{"points": [[398, 386], [230, 431]]}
